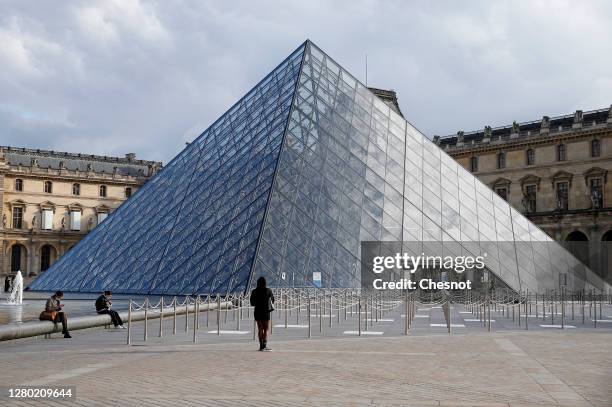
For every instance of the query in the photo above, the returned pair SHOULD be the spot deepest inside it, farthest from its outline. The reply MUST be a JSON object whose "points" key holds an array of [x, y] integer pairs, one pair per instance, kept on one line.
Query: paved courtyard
{"points": [[469, 367]]}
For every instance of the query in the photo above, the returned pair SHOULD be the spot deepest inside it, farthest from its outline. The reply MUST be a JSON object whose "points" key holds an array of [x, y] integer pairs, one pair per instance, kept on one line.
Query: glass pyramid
{"points": [[287, 183]]}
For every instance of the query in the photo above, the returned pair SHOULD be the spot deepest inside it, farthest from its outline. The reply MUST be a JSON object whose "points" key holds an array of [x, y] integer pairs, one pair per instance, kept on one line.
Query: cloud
{"points": [[110, 77]]}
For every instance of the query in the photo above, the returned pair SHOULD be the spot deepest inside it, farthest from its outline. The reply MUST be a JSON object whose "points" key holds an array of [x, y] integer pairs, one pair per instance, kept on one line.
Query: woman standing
{"points": [[262, 299]]}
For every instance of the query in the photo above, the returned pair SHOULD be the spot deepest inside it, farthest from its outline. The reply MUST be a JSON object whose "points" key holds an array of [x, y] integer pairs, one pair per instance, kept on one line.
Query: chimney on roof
{"points": [[609, 121], [436, 140], [577, 124], [130, 156]]}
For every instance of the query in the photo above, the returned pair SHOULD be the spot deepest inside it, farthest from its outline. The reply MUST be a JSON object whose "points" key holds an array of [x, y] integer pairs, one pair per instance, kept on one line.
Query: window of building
{"points": [[47, 219], [48, 187], [561, 152], [75, 220], [530, 155], [17, 217], [128, 192], [18, 184], [596, 188], [76, 189], [474, 164], [16, 253], [103, 191], [501, 160], [102, 216], [45, 257], [502, 192], [562, 195], [530, 198], [595, 148]]}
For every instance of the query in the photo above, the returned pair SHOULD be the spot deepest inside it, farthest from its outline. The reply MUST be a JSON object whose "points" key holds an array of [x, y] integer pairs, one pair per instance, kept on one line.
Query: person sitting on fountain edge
{"points": [[53, 312], [103, 306]]}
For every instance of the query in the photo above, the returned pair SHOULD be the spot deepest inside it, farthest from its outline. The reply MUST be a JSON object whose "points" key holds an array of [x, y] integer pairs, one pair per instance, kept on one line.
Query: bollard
{"points": [[161, 317], [286, 312], [146, 311], [526, 312], [129, 329]]}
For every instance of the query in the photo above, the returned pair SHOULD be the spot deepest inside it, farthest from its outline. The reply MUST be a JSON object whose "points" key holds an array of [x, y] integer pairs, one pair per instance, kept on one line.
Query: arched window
{"points": [[501, 160], [530, 156], [45, 257], [17, 257], [561, 152], [103, 191], [128, 192], [577, 244], [76, 189], [48, 187], [18, 184], [595, 148], [607, 237]]}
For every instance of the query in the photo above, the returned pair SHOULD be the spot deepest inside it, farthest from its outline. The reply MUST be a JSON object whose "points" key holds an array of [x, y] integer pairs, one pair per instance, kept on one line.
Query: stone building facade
{"points": [[554, 170], [50, 200]]}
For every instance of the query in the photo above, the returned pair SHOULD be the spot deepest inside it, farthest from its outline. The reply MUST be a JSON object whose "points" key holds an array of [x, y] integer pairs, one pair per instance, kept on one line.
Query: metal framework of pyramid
{"points": [[287, 183]]}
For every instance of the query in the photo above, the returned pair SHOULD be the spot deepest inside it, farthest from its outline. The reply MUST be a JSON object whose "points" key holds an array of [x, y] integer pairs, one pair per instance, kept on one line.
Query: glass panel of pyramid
{"points": [[286, 185]]}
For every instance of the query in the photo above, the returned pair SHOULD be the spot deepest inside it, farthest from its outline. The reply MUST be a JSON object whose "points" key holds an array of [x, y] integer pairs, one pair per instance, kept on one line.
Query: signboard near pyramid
{"points": [[287, 183]]}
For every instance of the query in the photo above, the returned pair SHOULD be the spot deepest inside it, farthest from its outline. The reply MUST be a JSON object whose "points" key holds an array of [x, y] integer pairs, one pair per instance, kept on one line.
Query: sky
{"points": [[118, 76]]}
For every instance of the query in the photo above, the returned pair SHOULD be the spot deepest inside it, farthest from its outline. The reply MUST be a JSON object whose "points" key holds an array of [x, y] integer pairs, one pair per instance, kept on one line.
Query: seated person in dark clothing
{"points": [[103, 306], [262, 299], [53, 312]]}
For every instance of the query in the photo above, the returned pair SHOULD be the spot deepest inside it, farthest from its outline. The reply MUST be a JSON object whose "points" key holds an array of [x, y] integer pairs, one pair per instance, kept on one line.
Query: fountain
{"points": [[16, 296]]}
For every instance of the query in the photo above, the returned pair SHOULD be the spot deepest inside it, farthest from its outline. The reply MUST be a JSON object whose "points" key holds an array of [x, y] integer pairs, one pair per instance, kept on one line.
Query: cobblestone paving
{"points": [[470, 367]]}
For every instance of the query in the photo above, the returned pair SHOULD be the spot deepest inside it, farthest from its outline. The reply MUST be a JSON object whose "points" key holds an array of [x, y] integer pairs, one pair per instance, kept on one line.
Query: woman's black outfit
{"points": [[262, 299]]}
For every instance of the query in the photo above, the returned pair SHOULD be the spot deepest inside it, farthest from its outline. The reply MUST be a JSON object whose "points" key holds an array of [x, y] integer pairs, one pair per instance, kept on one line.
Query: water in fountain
{"points": [[16, 296]]}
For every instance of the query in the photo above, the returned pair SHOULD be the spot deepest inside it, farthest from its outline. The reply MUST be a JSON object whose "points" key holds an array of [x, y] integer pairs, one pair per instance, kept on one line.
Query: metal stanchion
{"points": [[218, 314], [359, 314], [562, 308], [146, 312], [129, 329], [196, 310], [174, 321], [186, 313], [161, 317], [196, 326], [406, 306], [308, 316], [240, 301], [527, 312], [321, 314]]}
